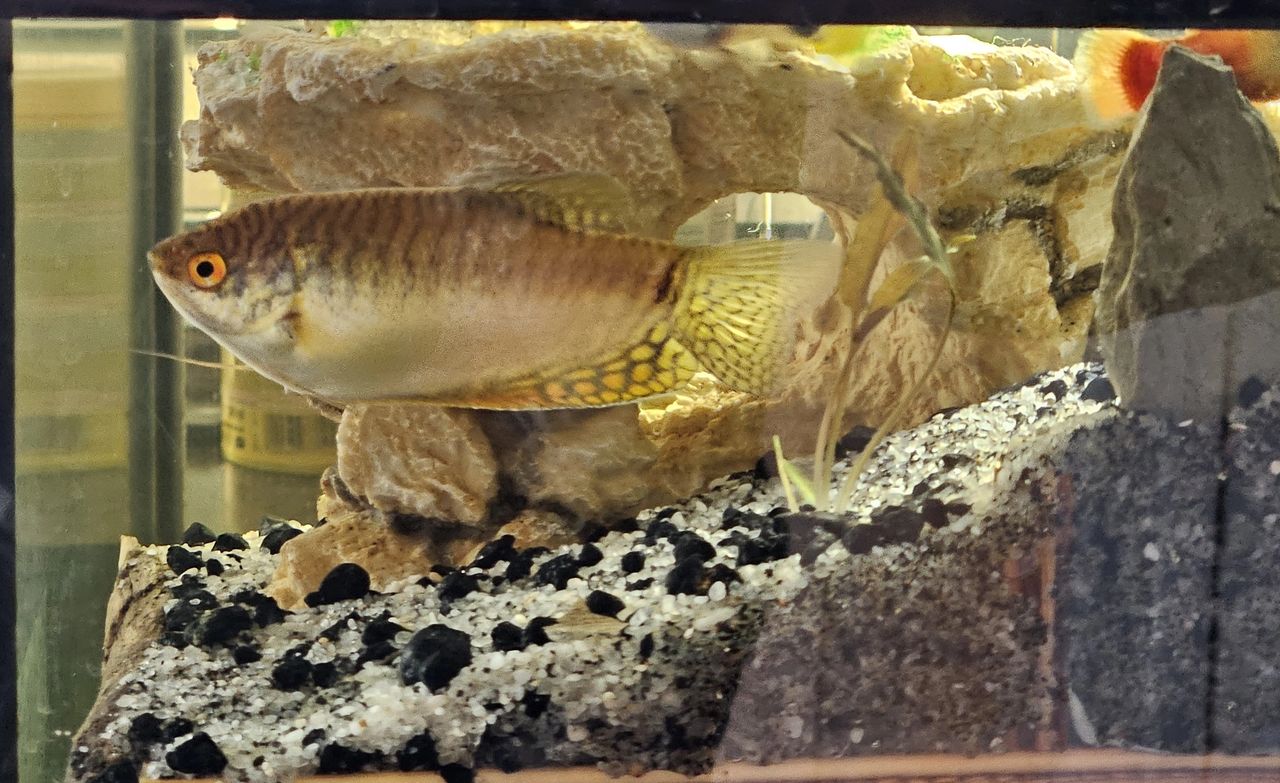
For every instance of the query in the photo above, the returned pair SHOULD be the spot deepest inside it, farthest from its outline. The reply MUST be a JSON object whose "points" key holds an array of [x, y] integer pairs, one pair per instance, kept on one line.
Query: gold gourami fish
{"points": [[530, 295]]}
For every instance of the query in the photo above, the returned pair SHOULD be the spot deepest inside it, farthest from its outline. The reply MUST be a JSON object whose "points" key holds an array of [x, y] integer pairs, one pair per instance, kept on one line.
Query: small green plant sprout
{"points": [[895, 288], [341, 27]]}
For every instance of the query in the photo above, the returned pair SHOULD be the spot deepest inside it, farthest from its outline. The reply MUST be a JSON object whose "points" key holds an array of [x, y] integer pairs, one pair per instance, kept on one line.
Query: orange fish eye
{"points": [[206, 269]]}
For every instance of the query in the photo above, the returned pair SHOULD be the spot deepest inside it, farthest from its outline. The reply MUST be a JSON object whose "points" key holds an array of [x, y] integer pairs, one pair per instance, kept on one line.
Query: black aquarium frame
{"points": [[983, 13]]}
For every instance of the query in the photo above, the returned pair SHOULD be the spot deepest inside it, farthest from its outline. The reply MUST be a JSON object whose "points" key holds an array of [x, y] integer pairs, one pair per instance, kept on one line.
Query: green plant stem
{"points": [[841, 504]]}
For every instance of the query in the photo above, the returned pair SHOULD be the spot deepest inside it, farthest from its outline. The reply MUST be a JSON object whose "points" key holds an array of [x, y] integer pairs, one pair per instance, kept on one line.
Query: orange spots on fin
{"points": [[1117, 68]]}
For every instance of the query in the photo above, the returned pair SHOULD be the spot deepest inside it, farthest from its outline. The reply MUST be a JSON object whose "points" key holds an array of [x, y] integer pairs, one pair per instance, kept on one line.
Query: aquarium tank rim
{"points": [[984, 13]]}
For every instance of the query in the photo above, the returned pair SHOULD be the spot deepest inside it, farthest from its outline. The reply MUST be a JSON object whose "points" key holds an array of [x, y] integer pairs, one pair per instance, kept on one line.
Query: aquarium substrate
{"points": [[719, 628]]}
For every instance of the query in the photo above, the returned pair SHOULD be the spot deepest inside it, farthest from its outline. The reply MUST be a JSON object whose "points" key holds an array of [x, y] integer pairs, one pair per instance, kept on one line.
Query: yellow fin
{"points": [[591, 202], [652, 367], [739, 303]]}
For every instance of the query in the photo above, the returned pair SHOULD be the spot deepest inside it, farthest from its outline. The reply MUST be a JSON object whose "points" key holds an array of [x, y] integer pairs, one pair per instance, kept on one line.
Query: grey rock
{"points": [[1188, 295]]}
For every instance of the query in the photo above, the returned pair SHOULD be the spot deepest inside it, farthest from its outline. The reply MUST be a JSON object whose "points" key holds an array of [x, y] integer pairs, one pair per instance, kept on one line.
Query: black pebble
{"points": [[336, 631], [640, 584], [456, 773], [722, 573], [494, 552], [246, 653], [277, 535], [345, 582], [337, 758], [690, 544], [1250, 391], [854, 441], [859, 539], [378, 651], [934, 512], [898, 524], [557, 571], [434, 656], [646, 647], [507, 637], [268, 613], [180, 617], [214, 567], [686, 577], [419, 754], [1056, 388], [590, 555], [659, 529], [381, 630], [199, 755], [600, 602], [265, 609], [230, 542], [119, 772], [766, 467], [324, 674], [178, 727], [314, 737], [224, 624], [1100, 390], [592, 531], [197, 534], [535, 632], [632, 562], [811, 534], [145, 729], [193, 593], [291, 673], [457, 585], [763, 549], [521, 564], [535, 704], [181, 559], [957, 509]]}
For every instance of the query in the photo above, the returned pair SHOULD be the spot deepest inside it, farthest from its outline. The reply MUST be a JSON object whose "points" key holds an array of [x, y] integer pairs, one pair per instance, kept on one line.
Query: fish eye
{"points": [[206, 269]]}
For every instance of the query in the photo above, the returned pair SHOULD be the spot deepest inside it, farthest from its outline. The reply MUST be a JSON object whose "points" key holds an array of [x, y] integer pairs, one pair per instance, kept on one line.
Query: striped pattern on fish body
{"points": [[469, 297]]}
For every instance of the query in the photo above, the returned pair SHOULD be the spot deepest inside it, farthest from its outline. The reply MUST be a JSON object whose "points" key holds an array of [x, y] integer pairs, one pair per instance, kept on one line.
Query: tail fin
{"points": [[739, 303], [1118, 69]]}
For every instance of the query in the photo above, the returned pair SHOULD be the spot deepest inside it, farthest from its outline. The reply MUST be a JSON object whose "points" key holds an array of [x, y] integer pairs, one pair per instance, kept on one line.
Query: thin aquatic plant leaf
{"points": [[937, 256], [801, 483], [841, 504], [897, 284], [873, 231], [783, 477]]}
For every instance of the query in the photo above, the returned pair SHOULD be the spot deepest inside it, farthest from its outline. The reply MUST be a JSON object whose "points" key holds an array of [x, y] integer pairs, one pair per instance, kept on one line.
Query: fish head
{"points": [[234, 278]]}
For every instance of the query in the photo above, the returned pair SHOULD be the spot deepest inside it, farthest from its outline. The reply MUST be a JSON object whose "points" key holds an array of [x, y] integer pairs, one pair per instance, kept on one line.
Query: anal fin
{"points": [[654, 366]]}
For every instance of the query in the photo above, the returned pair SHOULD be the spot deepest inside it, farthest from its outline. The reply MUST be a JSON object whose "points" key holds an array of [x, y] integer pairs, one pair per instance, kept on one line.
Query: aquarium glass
{"points": [[863, 401]]}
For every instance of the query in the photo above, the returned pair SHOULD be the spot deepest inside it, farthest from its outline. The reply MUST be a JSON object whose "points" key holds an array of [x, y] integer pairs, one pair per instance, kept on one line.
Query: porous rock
{"points": [[996, 137], [1187, 303], [419, 460], [348, 538]]}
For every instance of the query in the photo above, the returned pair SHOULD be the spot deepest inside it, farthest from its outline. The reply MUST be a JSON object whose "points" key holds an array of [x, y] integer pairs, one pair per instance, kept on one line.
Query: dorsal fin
{"points": [[586, 202]]}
